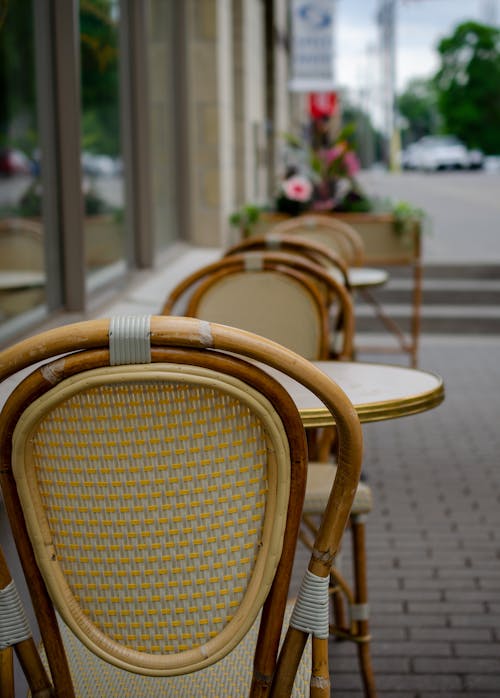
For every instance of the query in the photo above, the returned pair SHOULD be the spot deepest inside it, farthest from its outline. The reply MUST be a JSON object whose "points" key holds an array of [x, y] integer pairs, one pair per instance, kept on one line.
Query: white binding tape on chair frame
{"points": [[129, 339], [13, 622], [310, 613], [359, 611], [253, 261], [206, 337]]}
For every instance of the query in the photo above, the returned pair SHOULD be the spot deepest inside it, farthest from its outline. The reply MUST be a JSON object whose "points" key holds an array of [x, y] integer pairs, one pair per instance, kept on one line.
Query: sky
{"points": [[419, 26]]}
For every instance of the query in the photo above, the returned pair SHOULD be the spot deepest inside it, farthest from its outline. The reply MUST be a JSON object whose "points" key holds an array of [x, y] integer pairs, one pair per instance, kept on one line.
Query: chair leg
{"points": [[360, 609], [6, 673], [356, 628]]}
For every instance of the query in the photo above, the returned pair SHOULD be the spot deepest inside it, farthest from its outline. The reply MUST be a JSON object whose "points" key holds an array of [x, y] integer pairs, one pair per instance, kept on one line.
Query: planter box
{"points": [[384, 244]]}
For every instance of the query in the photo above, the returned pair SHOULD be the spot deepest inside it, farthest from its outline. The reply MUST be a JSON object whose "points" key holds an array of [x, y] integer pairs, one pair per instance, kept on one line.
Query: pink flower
{"points": [[335, 153], [351, 163], [297, 188]]}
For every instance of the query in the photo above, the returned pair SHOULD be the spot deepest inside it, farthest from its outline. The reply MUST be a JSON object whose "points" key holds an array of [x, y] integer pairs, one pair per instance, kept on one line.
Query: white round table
{"points": [[367, 277], [377, 391]]}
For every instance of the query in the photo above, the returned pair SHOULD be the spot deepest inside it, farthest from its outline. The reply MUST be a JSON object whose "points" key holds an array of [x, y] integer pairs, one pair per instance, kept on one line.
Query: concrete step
{"points": [[456, 299], [454, 319], [442, 291], [452, 271]]}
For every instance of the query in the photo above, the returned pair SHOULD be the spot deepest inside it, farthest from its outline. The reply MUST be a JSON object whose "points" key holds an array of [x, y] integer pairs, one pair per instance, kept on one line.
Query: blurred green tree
{"points": [[468, 85], [100, 82], [418, 107], [17, 76]]}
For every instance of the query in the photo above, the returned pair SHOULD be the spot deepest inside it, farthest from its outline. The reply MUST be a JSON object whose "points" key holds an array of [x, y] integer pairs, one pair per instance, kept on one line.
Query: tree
{"points": [[17, 76], [368, 142], [100, 82], [468, 85], [418, 107]]}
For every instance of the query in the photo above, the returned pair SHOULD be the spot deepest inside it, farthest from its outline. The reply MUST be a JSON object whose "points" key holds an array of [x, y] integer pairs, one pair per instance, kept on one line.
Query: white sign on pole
{"points": [[312, 46]]}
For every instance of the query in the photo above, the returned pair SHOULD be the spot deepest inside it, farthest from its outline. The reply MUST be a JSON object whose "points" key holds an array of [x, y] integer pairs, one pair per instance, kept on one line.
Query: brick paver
{"points": [[434, 537]]}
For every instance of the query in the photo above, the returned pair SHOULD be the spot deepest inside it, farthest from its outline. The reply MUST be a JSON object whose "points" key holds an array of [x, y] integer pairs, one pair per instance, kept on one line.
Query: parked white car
{"points": [[433, 153]]}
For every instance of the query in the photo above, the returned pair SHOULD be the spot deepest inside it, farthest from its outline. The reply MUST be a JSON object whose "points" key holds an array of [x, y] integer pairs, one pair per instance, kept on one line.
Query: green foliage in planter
{"points": [[246, 217], [405, 215]]}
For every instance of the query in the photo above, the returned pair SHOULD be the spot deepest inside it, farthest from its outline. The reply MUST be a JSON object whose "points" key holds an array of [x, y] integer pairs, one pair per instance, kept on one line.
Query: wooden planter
{"points": [[384, 243]]}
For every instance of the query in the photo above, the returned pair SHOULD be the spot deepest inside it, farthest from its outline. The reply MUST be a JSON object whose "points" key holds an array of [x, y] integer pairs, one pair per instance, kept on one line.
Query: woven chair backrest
{"points": [[155, 497], [303, 247], [338, 236], [79, 450], [280, 304]]}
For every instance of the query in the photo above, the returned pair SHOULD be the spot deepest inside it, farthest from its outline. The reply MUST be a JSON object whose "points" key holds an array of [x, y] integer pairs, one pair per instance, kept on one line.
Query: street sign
{"points": [[312, 46]]}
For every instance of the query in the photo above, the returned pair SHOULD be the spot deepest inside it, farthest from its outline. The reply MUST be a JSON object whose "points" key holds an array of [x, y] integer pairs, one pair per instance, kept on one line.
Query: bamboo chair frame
{"points": [[93, 339], [303, 248], [315, 280], [340, 237], [21, 642], [295, 244]]}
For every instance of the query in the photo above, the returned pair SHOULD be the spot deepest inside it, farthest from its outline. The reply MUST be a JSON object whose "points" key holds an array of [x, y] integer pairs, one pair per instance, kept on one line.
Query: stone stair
{"points": [[456, 299]]}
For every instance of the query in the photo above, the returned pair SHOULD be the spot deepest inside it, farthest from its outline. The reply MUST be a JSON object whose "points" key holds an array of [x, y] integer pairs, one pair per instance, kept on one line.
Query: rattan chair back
{"points": [[337, 235], [280, 296], [304, 247], [161, 479]]}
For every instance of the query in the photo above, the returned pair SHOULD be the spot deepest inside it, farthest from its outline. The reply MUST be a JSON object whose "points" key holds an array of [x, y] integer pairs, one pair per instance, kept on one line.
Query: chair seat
{"points": [[229, 678], [320, 477]]}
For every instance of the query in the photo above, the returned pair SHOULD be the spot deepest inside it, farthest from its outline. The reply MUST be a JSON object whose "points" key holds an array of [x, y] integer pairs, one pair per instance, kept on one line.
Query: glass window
{"points": [[102, 166], [162, 109], [22, 258]]}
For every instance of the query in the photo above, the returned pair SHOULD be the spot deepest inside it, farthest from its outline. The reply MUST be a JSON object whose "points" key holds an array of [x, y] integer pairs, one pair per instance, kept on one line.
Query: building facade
{"points": [[128, 127]]}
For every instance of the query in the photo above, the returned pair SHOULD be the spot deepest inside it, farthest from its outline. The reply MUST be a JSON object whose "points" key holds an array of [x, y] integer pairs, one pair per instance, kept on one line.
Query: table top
{"points": [[12, 280], [364, 277], [377, 391]]}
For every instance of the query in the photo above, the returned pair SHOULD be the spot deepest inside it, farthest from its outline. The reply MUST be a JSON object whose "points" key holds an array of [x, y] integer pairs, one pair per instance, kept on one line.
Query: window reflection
{"points": [[22, 264], [101, 145]]}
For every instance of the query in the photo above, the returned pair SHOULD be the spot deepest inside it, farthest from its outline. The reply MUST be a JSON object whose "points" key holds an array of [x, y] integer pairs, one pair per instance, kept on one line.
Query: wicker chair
{"points": [[338, 236], [255, 291], [290, 300], [154, 481], [298, 245]]}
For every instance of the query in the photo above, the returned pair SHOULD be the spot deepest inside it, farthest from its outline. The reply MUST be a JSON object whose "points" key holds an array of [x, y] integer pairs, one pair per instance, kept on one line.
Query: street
{"points": [[463, 210]]}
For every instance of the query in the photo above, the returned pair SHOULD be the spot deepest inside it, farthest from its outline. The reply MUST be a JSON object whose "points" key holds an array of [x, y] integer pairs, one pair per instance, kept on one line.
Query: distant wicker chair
{"points": [[154, 480], [338, 236], [277, 295], [295, 244]]}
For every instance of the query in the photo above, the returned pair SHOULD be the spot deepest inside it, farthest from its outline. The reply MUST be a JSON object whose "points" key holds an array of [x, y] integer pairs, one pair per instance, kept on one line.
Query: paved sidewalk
{"points": [[434, 537]]}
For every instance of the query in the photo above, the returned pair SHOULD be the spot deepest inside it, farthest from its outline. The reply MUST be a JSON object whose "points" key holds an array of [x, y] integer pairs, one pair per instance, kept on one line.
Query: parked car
{"points": [[476, 159], [408, 157], [99, 165], [442, 153], [14, 162]]}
